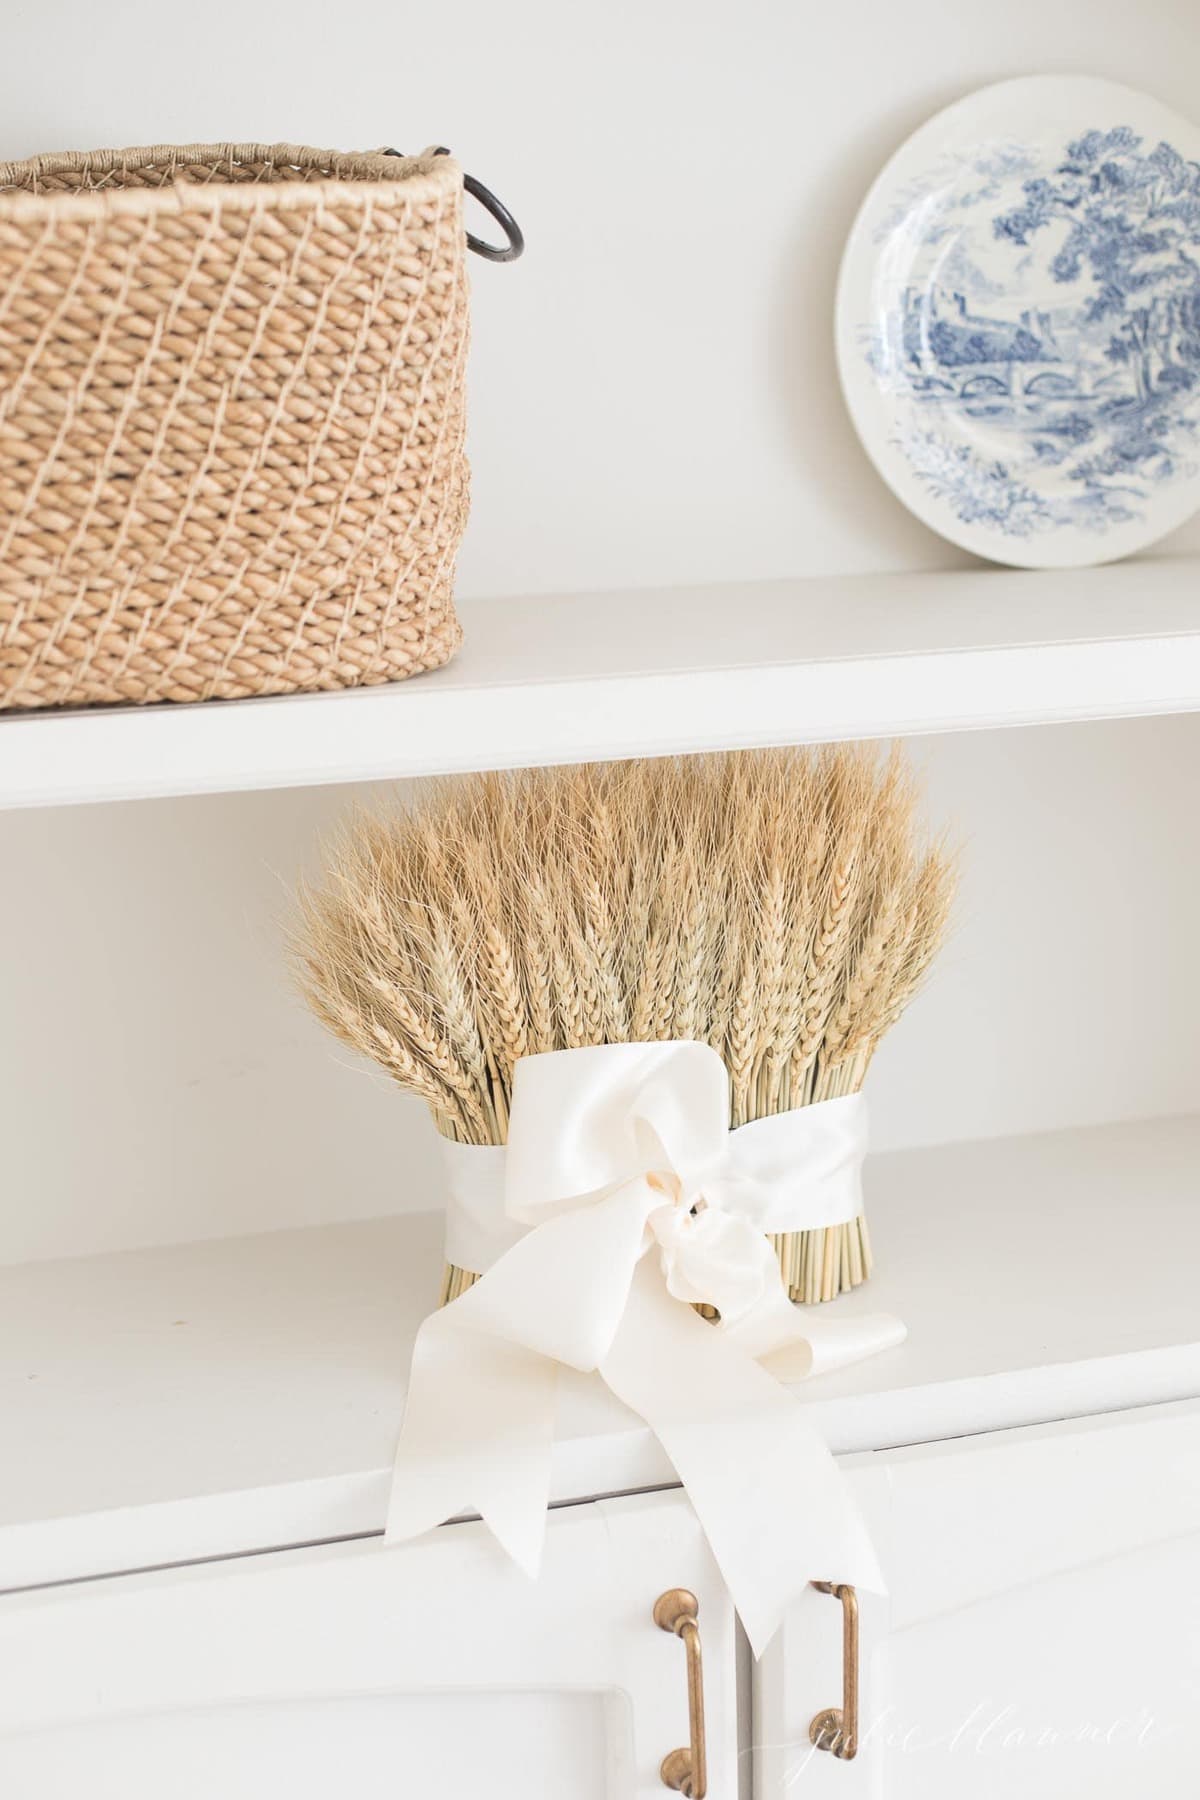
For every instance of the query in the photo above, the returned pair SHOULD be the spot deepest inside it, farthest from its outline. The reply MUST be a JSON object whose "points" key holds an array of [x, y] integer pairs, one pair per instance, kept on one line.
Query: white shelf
{"points": [[162, 1405], [566, 680]]}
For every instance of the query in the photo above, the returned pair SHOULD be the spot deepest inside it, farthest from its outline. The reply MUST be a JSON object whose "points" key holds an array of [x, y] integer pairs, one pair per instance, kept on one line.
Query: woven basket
{"points": [[231, 421]]}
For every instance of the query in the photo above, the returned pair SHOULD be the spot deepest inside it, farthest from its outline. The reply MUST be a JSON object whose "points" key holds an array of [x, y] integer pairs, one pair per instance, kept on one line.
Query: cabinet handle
{"points": [[836, 1729], [686, 1771]]}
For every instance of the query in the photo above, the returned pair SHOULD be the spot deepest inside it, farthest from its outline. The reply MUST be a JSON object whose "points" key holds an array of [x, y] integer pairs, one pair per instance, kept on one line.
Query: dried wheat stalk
{"points": [[779, 906]]}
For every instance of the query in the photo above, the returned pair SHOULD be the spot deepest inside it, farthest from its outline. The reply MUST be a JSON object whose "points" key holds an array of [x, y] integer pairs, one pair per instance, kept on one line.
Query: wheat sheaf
{"points": [[783, 906]]}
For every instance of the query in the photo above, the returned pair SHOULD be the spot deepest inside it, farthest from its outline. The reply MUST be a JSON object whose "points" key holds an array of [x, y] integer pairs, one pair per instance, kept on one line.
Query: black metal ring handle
{"points": [[516, 237], [500, 253]]}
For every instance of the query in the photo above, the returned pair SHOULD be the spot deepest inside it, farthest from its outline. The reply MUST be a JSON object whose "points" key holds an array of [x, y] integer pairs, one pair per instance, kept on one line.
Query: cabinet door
{"points": [[433, 1670], [1042, 1634]]}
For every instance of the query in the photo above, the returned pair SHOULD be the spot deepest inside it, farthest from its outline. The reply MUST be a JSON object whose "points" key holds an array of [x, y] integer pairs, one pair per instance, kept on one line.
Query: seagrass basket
{"points": [[231, 421]]}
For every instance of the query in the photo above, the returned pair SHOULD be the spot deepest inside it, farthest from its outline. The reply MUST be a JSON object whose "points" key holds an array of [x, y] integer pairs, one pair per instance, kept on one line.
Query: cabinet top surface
{"points": [[158, 1405]]}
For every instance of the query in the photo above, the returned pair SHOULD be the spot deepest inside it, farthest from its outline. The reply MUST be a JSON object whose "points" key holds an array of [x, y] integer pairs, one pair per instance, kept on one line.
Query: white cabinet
{"points": [[435, 1670], [1040, 1640], [1041, 1637]]}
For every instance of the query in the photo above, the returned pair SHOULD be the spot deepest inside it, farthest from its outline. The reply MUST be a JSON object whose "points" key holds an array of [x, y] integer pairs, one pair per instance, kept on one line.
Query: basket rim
{"points": [[355, 173]]}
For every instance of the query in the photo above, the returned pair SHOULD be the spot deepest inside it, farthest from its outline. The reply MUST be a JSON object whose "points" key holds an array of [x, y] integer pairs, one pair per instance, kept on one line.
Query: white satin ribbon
{"points": [[621, 1198]]}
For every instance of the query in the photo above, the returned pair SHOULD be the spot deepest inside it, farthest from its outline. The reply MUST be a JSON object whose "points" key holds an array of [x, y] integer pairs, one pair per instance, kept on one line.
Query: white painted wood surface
{"points": [[432, 1669], [245, 1393], [549, 680], [1041, 1635]]}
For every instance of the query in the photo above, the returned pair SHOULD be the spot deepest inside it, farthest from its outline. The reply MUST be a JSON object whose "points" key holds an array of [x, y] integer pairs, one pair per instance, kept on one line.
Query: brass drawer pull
{"points": [[836, 1729], [686, 1770]]}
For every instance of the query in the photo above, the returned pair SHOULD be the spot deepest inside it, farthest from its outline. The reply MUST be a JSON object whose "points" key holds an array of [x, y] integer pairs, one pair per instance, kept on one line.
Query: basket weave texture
{"points": [[231, 422]]}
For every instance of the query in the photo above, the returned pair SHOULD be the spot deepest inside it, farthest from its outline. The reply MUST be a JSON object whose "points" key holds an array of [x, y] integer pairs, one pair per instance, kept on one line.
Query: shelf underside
{"points": [[243, 1393], [553, 680]]}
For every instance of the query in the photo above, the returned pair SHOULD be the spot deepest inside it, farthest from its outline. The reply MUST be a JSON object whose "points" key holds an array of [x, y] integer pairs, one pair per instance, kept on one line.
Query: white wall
{"points": [[653, 391], [653, 401], [160, 1082]]}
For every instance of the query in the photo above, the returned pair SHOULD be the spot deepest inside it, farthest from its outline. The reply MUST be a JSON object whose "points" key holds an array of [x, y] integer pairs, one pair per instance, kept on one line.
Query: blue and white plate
{"points": [[1018, 321]]}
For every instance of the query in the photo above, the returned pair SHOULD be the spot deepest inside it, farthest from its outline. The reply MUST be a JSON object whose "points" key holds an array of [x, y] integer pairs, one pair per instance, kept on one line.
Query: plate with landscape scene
{"points": [[1018, 321]]}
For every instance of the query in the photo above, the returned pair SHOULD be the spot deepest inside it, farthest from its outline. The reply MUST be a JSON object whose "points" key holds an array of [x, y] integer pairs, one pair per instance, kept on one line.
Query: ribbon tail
{"points": [[478, 1429], [773, 1503], [830, 1344], [477, 1435], [795, 1342]]}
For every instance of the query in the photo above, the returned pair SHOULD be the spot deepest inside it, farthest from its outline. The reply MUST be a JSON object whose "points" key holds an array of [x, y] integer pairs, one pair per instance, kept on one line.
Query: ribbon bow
{"points": [[622, 1197]]}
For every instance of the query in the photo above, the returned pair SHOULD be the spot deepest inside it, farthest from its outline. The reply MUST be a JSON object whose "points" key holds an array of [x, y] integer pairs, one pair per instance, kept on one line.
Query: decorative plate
{"points": [[1018, 321]]}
